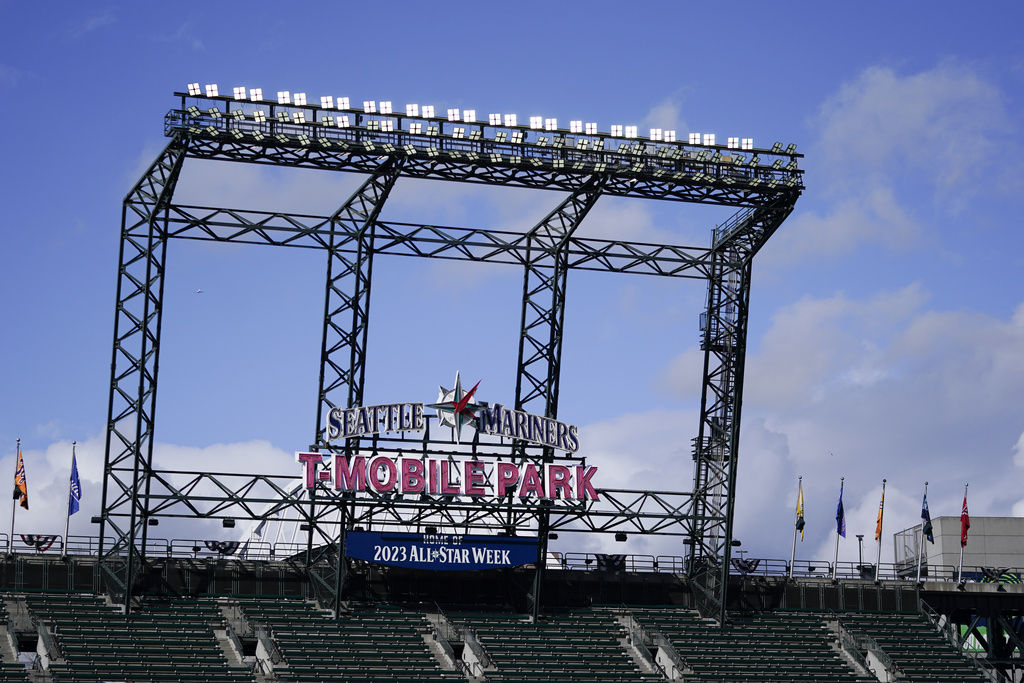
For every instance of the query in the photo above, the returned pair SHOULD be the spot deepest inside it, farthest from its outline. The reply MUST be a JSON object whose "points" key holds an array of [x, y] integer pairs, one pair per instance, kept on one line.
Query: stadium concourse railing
{"points": [[50, 544]]}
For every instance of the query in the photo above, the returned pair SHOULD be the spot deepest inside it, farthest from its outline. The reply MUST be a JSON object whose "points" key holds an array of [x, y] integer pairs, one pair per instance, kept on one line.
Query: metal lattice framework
{"points": [[763, 184]]}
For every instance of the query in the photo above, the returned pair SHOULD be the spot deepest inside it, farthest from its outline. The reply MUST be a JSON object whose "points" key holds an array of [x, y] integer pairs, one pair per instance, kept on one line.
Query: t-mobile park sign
{"points": [[456, 409]]}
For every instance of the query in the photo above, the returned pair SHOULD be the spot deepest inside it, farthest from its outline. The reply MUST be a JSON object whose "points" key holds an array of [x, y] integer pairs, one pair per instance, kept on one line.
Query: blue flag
{"points": [[75, 499], [926, 520], [840, 515]]}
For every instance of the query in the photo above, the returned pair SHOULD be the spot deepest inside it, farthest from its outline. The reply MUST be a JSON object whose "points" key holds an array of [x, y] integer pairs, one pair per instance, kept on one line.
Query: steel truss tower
{"points": [[762, 184]]}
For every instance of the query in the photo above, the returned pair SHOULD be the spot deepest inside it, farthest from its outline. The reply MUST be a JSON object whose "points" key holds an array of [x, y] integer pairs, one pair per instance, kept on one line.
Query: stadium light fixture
{"points": [[495, 119], [259, 116], [709, 138], [459, 133], [733, 143], [469, 115], [428, 111], [412, 110], [655, 134], [536, 122], [617, 130], [517, 137], [284, 97], [630, 131], [510, 120], [299, 117], [590, 128], [370, 106], [240, 92], [194, 89], [300, 99], [343, 103], [327, 102], [385, 107], [550, 124], [387, 126], [211, 90], [670, 136], [791, 149], [694, 138], [499, 136], [238, 115], [747, 143], [342, 122], [256, 94], [416, 128], [777, 148], [453, 114], [575, 126]]}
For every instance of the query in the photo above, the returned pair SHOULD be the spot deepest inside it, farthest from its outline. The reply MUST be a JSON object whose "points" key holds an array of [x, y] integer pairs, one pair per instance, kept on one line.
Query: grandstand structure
{"points": [[130, 606]]}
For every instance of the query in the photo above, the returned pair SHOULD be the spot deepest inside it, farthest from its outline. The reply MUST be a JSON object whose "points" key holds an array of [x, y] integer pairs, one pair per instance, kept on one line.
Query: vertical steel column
{"points": [[540, 339], [343, 348], [135, 359]]}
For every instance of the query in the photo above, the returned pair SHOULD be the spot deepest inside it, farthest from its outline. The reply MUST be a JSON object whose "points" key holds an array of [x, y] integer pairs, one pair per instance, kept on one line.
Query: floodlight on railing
{"points": [[343, 103], [327, 121], [238, 115], [590, 128], [709, 138], [213, 112], [211, 90], [416, 128], [655, 134], [194, 112], [694, 138], [791, 149], [299, 117], [550, 124], [475, 135], [575, 126], [385, 107], [370, 106], [412, 110], [240, 92], [373, 125], [259, 116], [284, 97], [342, 122], [510, 120], [500, 136], [459, 133], [282, 117], [387, 125], [630, 131], [747, 143], [670, 136], [495, 119], [616, 130], [256, 94], [536, 122], [582, 143], [777, 148], [300, 99], [468, 115], [453, 114], [428, 111], [194, 89], [327, 102], [732, 143]]}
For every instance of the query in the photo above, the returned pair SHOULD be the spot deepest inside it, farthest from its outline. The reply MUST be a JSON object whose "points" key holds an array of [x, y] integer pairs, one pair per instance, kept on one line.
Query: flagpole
{"points": [[878, 533], [960, 570], [920, 552], [67, 518], [14, 509], [792, 556], [835, 561]]}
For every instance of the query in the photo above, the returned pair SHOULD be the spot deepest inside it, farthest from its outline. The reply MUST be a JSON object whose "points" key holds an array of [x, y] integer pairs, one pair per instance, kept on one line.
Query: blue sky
{"points": [[887, 324]]}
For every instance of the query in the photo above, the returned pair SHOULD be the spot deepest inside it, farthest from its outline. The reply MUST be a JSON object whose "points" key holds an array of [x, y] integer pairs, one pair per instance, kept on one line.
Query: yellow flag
{"points": [[881, 507], [800, 512]]}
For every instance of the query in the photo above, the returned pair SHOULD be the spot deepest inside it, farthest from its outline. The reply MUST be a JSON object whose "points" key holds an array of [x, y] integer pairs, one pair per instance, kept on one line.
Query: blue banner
{"points": [[440, 551]]}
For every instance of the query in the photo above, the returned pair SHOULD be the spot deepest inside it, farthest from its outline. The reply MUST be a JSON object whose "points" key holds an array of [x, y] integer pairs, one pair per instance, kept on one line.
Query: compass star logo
{"points": [[455, 407]]}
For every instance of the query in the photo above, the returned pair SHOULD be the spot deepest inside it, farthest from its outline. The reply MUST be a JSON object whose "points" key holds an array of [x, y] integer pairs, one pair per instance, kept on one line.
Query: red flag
{"points": [[965, 524]]}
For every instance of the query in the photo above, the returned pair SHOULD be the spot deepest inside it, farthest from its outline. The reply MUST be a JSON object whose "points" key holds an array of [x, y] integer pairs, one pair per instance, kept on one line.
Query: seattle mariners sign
{"points": [[455, 408]]}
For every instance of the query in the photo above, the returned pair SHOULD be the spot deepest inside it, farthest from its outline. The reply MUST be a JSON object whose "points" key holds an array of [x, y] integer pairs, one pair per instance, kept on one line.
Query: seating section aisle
{"points": [[915, 646], [165, 641], [777, 647], [580, 646], [379, 645], [10, 671]]}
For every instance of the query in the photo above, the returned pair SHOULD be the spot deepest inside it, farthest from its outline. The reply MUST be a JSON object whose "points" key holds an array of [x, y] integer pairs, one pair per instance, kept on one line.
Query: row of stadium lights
{"points": [[465, 115]]}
